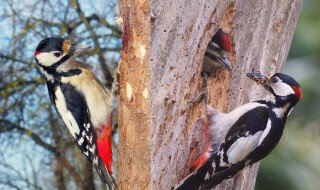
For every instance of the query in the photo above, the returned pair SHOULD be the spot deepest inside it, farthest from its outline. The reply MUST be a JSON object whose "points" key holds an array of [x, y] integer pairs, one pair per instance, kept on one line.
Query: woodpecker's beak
{"points": [[77, 50], [258, 78], [226, 63]]}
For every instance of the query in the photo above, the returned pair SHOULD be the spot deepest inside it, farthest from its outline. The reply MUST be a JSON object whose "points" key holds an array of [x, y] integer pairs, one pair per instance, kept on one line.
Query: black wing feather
{"points": [[251, 122], [77, 106]]}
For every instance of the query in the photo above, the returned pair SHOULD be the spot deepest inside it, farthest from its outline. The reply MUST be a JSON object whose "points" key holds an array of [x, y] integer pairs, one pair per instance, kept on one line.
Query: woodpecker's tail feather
{"points": [[108, 179], [197, 179], [205, 178], [106, 176]]}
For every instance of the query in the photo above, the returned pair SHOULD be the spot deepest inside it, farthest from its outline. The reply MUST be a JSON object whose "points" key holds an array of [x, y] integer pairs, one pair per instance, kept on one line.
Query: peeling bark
{"points": [[170, 128]]}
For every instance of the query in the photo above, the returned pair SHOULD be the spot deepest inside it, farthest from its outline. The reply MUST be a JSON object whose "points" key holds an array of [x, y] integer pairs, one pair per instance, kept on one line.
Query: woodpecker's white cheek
{"points": [[47, 59], [66, 115], [282, 89]]}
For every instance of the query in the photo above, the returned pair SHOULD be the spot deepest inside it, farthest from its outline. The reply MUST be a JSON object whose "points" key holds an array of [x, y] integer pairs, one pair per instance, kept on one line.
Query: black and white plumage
{"points": [[245, 135], [81, 101]]}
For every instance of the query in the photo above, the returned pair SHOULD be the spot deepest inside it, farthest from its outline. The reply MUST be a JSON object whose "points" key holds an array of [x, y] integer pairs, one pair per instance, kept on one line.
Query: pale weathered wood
{"points": [[160, 134], [134, 98], [261, 32]]}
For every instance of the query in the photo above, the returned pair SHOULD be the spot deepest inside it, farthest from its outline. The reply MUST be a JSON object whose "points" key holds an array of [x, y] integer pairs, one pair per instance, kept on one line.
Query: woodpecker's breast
{"points": [[98, 100]]}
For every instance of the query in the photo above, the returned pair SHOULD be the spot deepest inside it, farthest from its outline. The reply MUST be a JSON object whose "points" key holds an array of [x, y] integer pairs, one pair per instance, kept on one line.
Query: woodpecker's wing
{"points": [[72, 108], [221, 124], [244, 136]]}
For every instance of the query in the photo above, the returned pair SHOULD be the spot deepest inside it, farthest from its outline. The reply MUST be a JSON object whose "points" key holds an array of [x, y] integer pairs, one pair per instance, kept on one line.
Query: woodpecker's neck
{"points": [[52, 73], [280, 105]]}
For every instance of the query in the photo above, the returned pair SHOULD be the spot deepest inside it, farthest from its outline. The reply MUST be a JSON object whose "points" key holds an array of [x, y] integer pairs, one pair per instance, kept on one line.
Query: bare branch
{"points": [[107, 74]]}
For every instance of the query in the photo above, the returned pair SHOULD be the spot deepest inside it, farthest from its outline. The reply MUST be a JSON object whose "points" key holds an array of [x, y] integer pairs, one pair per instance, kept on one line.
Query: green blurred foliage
{"points": [[294, 164]]}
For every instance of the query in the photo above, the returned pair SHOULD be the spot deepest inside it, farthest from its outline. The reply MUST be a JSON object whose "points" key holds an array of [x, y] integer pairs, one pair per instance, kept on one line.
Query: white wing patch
{"points": [[66, 115], [87, 126], [265, 132], [221, 123], [80, 141], [95, 160], [86, 153], [207, 176], [242, 147], [92, 149]]}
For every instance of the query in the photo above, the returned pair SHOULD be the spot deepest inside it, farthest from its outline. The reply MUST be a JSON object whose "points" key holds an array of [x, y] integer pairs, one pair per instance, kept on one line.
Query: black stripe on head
{"points": [[287, 79], [50, 44]]}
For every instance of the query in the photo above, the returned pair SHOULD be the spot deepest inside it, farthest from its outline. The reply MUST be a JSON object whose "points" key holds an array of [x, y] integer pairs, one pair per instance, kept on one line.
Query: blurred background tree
{"points": [[36, 150], [294, 164]]}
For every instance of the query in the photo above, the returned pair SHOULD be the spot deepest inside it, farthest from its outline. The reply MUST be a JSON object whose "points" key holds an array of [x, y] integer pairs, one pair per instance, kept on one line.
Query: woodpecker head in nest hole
{"points": [[216, 54]]}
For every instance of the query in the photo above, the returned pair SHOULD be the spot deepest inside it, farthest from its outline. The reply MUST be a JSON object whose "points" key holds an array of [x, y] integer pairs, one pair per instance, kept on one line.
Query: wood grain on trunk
{"points": [[178, 33]]}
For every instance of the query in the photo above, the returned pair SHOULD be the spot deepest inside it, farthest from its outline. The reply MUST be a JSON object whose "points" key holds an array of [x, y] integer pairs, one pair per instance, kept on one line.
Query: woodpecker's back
{"points": [[81, 101]]}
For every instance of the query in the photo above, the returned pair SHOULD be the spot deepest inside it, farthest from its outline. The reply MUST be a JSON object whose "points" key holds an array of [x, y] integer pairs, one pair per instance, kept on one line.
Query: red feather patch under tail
{"points": [[104, 144], [206, 154]]}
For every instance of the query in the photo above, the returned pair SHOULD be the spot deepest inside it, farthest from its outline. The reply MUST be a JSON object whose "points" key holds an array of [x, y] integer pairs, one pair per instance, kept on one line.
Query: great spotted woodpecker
{"points": [[81, 101], [217, 52], [245, 135]]}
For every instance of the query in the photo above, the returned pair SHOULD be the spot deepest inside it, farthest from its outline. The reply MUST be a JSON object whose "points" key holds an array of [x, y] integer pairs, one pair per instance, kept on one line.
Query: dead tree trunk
{"points": [[161, 130], [134, 99]]}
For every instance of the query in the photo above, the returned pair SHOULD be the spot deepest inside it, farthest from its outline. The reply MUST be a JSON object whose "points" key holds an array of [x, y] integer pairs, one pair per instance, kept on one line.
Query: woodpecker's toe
{"points": [[198, 99]]}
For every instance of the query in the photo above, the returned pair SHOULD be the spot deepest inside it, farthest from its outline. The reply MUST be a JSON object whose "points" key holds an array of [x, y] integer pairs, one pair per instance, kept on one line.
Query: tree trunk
{"points": [[261, 33], [134, 101]]}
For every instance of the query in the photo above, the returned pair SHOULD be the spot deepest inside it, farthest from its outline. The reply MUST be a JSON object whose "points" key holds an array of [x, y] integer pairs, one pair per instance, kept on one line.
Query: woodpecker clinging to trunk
{"points": [[217, 52], [81, 101], [245, 135]]}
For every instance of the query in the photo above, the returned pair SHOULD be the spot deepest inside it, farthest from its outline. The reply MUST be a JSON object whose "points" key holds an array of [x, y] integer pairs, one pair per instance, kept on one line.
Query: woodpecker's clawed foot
{"points": [[204, 74], [258, 77], [205, 78], [198, 99], [116, 87], [203, 94]]}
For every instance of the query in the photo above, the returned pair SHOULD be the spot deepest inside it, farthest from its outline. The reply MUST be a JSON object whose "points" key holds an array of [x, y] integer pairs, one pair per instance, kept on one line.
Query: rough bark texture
{"points": [[160, 134], [134, 101], [261, 32]]}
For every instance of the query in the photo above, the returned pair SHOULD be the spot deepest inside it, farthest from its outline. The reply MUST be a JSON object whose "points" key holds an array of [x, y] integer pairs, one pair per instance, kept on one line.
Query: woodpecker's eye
{"points": [[216, 47], [57, 54], [275, 80]]}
